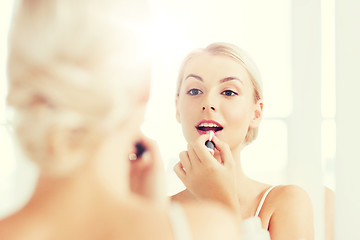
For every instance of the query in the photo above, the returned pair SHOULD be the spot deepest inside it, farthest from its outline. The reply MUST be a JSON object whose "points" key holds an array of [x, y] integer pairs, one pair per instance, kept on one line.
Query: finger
{"points": [[152, 149], [202, 151], [185, 161], [140, 164], [194, 159], [224, 150], [178, 169]]}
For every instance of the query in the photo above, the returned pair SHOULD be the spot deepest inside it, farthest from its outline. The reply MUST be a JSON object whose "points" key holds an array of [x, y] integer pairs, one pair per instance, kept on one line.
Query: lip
{"points": [[201, 132]]}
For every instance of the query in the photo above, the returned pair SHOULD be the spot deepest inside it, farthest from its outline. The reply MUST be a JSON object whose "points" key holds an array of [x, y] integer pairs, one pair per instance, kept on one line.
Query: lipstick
{"points": [[140, 150], [210, 144]]}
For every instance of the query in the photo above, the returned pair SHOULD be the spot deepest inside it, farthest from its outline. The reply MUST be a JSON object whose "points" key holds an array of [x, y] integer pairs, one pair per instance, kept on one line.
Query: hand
{"points": [[205, 176], [147, 174]]}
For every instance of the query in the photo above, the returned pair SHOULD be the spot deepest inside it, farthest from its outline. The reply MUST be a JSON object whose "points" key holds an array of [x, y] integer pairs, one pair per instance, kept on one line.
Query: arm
{"points": [[293, 215]]}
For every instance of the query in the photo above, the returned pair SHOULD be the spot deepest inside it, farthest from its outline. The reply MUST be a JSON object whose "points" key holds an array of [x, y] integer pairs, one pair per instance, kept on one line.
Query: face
{"points": [[217, 94]]}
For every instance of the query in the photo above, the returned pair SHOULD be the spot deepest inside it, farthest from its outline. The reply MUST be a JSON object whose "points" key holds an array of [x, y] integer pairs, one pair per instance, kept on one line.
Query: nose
{"points": [[210, 107], [209, 104]]}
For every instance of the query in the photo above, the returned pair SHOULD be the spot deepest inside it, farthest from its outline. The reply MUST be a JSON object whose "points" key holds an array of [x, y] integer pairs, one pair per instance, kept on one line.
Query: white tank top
{"points": [[179, 222], [181, 228], [263, 200], [252, 227]]}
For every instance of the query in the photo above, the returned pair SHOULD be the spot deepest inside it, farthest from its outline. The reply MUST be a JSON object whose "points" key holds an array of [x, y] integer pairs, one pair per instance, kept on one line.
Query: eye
{"points": [[194, 92], [229, 93]]}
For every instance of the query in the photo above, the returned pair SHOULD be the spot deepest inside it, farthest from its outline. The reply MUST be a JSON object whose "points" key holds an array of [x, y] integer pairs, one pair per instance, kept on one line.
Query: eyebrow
{"points": [[221, 81], [231, 79], [194, 76]]}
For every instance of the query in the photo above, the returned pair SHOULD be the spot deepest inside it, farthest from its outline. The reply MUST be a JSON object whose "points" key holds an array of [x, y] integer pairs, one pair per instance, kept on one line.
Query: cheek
{"points": [[236, 113], [188, 118], [187, 110], [238, 121]]}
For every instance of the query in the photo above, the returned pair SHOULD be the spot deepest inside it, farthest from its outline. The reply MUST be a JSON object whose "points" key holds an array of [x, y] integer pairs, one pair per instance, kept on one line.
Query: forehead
{"points": [[215, 66]]}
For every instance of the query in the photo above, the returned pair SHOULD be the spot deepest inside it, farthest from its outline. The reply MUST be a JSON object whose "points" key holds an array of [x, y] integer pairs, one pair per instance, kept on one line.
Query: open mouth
{"points": [[209, 126]]}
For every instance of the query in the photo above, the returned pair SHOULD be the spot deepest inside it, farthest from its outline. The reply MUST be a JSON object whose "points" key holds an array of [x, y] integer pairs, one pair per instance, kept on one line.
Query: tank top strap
{"points": [[179, 222], [263, 200]]}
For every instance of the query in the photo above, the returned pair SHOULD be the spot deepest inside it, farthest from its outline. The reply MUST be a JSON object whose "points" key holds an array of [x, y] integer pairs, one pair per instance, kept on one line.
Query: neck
{"points": [[236, 153], [77, 192], [245, 185]]}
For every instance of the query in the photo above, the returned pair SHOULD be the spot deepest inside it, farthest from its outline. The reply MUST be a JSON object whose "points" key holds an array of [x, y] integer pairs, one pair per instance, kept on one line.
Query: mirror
{"points": [[268, 31]]}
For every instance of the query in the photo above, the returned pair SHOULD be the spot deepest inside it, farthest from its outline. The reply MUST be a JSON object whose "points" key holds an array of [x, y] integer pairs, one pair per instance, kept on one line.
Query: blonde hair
{"points": [[67, 76], [238, 55]]}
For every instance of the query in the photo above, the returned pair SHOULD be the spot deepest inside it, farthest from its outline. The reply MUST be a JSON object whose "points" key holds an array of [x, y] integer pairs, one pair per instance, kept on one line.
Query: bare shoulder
{"points": [[213, 221], [138, 223], [291, 201], [129, 221], [206, 220], [290, 196], [285, 198], [9, 228], [183, 196], [292, 213]]}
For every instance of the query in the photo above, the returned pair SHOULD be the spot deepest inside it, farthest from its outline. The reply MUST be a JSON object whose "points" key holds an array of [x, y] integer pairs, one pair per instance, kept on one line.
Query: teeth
{"points": [[208, 125]]}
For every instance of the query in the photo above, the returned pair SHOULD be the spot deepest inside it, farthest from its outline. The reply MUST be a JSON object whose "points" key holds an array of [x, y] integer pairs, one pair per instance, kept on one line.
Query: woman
{"points": [[219, 91], [78, 84]]}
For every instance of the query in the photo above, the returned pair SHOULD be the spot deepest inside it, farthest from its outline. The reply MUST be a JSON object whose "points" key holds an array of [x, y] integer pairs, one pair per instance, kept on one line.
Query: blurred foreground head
{"points": [[76, 70]]}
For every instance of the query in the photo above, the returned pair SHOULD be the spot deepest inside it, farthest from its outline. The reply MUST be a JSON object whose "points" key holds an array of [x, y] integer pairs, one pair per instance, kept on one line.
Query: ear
{"points": [[177, 109], [66, 149], [258, 111]]}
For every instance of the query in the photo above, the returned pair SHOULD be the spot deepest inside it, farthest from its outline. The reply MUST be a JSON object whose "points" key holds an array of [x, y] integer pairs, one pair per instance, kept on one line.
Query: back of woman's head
{"points": [[71, 64]]}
